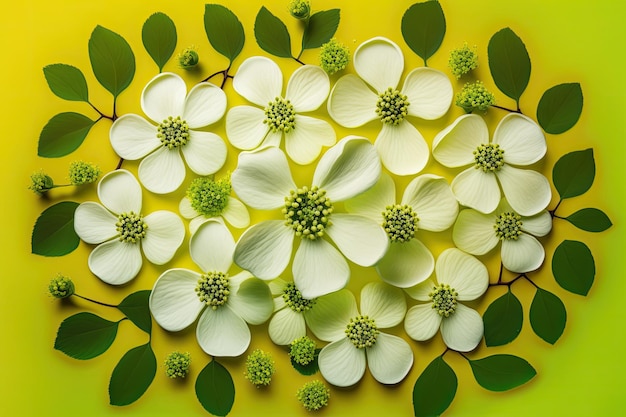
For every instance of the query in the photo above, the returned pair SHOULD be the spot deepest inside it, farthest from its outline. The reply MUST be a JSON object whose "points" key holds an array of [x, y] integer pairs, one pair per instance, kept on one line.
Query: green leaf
{"points": [[573, 267], [63, 134], [224, 30], [547, 316], [215, 389], [573, 173], [159, 38], [53, 233], [423, 28], [137, 309], [321, 28], [503, 320], [85, 335], [132, 375], [509, 63], [271, 34], [112, 60], [590, 220], [502, 372], [309, 369], [560, 107], [67, 82], [435, 389]]}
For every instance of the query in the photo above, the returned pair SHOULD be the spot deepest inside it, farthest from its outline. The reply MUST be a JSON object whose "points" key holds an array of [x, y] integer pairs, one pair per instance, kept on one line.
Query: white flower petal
{"points": [[390, 359], [360, 239], [319, 268], [473, 232], [277, 286], [406, 264], [421, 291], [115, 262], [304, 143], [198, 221], [221, 332], [265, 249], [431, 198], [383, 303], [429, 93], [286, 326], [120, 192], [307, 88], [212, 246], [331, 314], [422, 322], [466, 274], [258, 80], [93, 223], [348, 168], [402, 148], [373, 202], [164, 236], [537, 225], [476, 189], [463, 330], [522, 255], [351, 102], [521, 138], [164, 96], [262, 179], [252, 301], [341, 363], [205, 105], [454, 146], [186, 209], [205, 152], [133, 137], [245, 128], [236, 213], [162, 171], [527, 191], [379, 62], [272, 139], [174, 303]]}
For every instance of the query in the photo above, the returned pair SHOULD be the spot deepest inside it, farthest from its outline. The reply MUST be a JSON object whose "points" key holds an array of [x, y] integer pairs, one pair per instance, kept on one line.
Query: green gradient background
{"points": [[568, 41]]}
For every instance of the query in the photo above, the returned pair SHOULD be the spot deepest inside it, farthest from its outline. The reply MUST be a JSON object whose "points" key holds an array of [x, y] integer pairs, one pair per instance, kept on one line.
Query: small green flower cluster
{"points": [[444, 299], [177, 364], [188, 58], [334, 56], [463, 60], [362, 332], [209, 197], [475, 96], [61, 287], [300, 9], [40, 183], [302, 350], [83, 173], [259, 368], [313, 395]]}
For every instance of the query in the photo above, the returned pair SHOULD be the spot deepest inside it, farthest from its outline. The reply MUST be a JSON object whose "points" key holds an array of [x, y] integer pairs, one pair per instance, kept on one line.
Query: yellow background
{"points": [[568, 41]]}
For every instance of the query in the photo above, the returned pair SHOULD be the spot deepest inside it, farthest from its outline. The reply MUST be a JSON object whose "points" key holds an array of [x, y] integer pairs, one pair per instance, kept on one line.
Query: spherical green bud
{"points": [[300, 9], [83, 173], [313, 395], [259, 368], [302, 350], [463, 60], [40, 183], [177, 364], [475, 96], [209, 197], [61, 287], [334, 56], [188, 58]]}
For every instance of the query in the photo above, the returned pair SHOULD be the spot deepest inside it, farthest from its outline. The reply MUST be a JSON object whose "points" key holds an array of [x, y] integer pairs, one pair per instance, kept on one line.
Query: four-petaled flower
{"points": [[290, 312]]}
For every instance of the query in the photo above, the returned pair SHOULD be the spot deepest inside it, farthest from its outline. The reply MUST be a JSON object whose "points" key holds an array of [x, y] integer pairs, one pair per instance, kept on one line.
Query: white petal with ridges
{"points": [[212, 246], [221, 332], [390, 359], [236, 213], [341, 363], [115, 262], [164, 96], [466, 274], [162, 171], [373, 202], [331, 314], [258, 80], [406, 264], [186, 209], [120, 192], [164, 236], [379, 62], [351, 102], [383, 303], [538, 225], [198, 221], [463, 330], [360, 239], [402, 148], [265, 249], [476, 189], [205, 153], [527, 191], [431, 198], [522, 255], [473, 232], [421, 291], [205, 105], [454, 146], [304, 143], [252, 301], [307, 88], [93, 223], [319, 268], [286, 326], [422, 322], [245, 128], [174, 303], [133, 137], [521, 138], [429, 93]]}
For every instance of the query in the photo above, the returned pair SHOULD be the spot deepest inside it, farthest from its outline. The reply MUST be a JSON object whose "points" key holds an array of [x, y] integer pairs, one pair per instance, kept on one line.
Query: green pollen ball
{"points": [[259, 368], [293, 298], [83, 173], [131, 227], [508, 226], [213, 288], [489, 157], [188, 58], [177, 364], [173, 132], [313, 395], [302, 350], [392, 106], [300, 9], [280, 115], [208, 197], [474, 96], [444, 300], [463, 60], [307, 212], [334, 56], [362, 332], [40, 183], [400, 222], [61, 287]]}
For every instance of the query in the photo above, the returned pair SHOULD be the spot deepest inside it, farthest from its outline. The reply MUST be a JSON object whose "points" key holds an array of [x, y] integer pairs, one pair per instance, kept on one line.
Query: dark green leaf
{"points": [[321, 28], [423, 28], [590, 220], [136, 308], [509, 63], [85, 335], [224, 30], [573, 173], [503, 320], [159, 38], [435, 389], [502, 372], [67, 82], [53, 233], [112, 60], [547, 316], [573, 267], [560, 107], [215, 389], [63, 134], [132, 375], [271, 34], [309, 369]]}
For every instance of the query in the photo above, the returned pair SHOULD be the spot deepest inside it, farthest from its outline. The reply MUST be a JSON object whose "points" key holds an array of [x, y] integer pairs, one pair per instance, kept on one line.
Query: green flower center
{"points": [[209, 197], [295, 301], [130, 227], [400, 222], [392, 106], [302, 350], [362, 331], [173, 132], [508, 226], [308, 211], [489, 157], [444, 299], [280, 115], [213, 289], [177, 364]]}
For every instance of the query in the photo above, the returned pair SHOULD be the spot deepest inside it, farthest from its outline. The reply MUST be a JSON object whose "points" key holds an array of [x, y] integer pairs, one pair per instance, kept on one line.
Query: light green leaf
{"points": [[502, 372], [63, 134], [112, 60], [503, 320], [435, 389], [215, 389], [67, 82], [136, 308], [547, 316], [573, 173], [53, 233], [321, 28], [271, 34], [573, 267], [423, 28], [224, 30], [159, 38], [560, 107], [132, 375], [509, 63], [85, 335], [590, 220]]}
